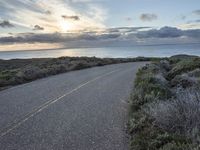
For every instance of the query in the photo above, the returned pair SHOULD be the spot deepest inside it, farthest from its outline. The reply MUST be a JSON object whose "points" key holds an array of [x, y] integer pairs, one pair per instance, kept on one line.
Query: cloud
{"points": [[6, 24], [194, 21], [128, 19], [126, 30], [197, 12], [32, 38], [148, 17], [169, 32], [48, 12], [183, 17], [57, 37], [90, 14], [78, 1], [195, 33], [37, 27], [111, 36], [165, 32], [194, 24], [75, 18]]}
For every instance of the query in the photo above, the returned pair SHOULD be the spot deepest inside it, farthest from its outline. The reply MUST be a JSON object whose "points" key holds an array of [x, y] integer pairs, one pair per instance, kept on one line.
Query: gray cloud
{"points": [[194, 21], [164, 32], [195, 33], [75, 18], [126, 29], [197, 12], [121, 35], [48, 12], [128, 19], [183, 17], [32, 38], [169, 32], [37, 27], [6, 24], [148, 17], [57, 37]]}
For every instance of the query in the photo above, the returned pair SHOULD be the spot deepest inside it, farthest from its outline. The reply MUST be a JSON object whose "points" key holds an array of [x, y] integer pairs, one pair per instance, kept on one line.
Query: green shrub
{"points": [[179, 115], [151, 88], [17, 71], [194, 73], [183, 66], [183, 81]]}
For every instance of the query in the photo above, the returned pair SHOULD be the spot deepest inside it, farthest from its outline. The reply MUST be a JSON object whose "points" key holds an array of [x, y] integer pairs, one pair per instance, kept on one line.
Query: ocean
{"points": [[112, 52]]}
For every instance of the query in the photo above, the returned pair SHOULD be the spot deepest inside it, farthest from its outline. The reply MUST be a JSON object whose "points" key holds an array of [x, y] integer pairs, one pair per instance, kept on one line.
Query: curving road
{"points": [[79, 110]]}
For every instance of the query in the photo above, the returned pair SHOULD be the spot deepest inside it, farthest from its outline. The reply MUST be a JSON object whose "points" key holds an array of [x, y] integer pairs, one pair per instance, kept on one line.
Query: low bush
{"points": [[183, 66], [194, 73], [183, 81], [150, 85], [165, 108], [17, 71], [179, 115]]}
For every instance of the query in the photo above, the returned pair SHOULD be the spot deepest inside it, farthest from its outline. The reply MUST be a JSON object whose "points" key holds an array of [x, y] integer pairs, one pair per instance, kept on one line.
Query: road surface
{"points": [[79, 110]]}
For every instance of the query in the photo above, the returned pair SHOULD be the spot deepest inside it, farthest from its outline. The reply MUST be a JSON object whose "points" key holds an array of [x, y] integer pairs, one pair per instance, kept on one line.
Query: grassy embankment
{"points": [[165, 105], [18, 71]]}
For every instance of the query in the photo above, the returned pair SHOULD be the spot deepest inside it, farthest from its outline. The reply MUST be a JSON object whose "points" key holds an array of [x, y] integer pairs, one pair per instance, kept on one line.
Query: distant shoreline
{"points": [[107, 52], [93, 47], [19, 71]]}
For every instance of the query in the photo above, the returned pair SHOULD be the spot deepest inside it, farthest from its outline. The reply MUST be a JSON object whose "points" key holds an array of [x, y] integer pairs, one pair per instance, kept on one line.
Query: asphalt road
{"points": [[79, 110]]}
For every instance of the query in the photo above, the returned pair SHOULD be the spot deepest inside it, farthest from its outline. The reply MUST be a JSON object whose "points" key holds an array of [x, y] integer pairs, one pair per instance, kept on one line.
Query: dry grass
{"points": [[18, 71], [165, 108], [180, 115]]}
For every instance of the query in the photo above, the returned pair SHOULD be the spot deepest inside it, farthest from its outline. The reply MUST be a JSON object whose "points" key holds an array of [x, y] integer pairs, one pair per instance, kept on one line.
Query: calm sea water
{"points": [[113, 52]]}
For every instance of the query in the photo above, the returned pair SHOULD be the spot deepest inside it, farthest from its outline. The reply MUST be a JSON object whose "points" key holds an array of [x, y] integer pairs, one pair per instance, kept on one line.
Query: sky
{"points": [[49, 24]]}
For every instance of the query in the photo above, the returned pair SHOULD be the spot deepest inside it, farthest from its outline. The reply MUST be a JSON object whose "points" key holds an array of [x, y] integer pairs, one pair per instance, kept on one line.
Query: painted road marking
{"points": [[48, 103]]}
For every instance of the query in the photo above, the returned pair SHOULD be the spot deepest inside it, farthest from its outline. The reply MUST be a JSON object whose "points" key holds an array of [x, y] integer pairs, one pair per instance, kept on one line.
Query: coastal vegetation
{"points": [[18, 71], [165, 105]]}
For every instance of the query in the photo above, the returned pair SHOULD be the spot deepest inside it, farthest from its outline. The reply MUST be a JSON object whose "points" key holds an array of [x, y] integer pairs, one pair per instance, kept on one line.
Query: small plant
{"points": [[180, 114], [183, 66], [165, 109], [17, 71]]}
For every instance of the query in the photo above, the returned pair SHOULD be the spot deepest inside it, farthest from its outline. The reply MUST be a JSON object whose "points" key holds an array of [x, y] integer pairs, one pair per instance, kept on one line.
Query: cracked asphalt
{"points": [[78, 110]]}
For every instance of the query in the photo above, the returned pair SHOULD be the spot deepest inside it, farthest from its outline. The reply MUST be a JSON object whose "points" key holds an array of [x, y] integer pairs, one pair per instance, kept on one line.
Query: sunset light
{"points": [[66, 26], [100, 75]]}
